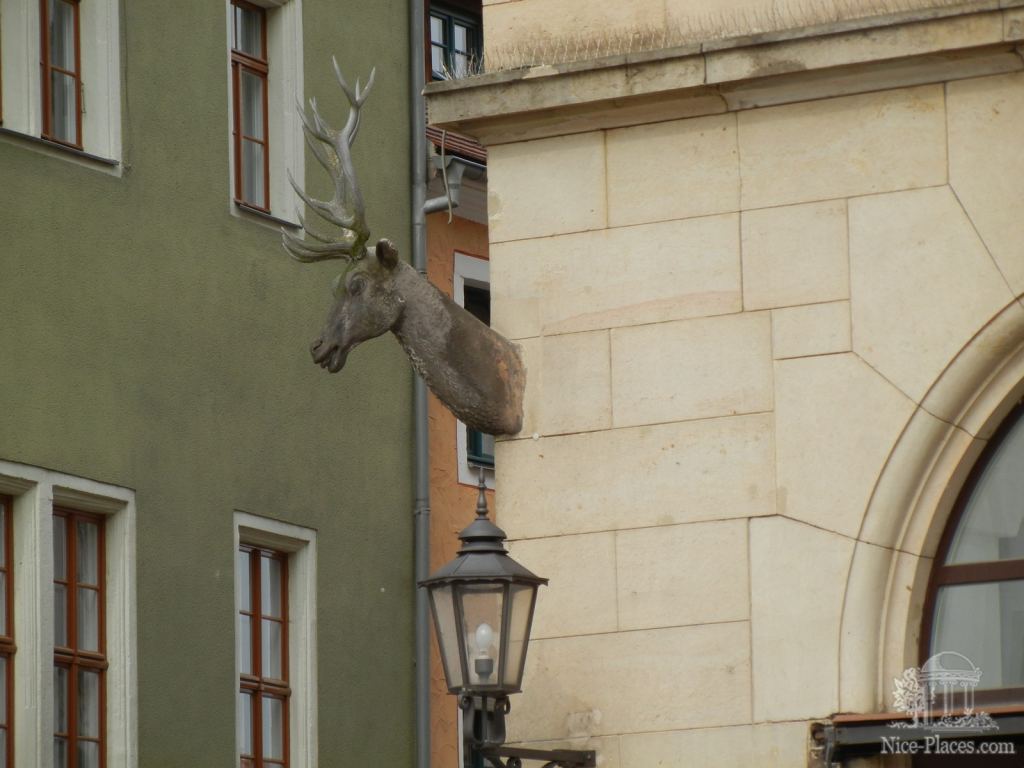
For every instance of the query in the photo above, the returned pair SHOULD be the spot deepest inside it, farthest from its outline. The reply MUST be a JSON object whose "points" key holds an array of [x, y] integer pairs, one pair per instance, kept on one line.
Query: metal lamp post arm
{"points": [[554, 758], [484, 736]]}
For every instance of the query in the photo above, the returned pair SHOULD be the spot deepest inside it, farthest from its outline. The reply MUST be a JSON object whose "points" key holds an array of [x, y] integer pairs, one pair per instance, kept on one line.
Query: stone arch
{"points": [[911, 504]]}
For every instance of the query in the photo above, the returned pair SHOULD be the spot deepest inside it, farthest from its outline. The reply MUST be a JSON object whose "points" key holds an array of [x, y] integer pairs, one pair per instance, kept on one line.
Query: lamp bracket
{"points": [[484, 733], [552, 758]]}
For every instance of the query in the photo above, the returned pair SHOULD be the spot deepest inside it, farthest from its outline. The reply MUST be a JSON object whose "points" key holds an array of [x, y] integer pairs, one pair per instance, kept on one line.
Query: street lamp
{"points": [[483, 602]]}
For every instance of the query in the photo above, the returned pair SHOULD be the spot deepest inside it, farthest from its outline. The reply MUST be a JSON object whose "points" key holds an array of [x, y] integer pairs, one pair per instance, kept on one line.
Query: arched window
{"points": [[975, 602]]}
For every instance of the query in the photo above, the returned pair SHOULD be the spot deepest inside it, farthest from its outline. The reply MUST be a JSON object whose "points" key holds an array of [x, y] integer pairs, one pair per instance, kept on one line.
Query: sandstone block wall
{"points": [[740, 332]]}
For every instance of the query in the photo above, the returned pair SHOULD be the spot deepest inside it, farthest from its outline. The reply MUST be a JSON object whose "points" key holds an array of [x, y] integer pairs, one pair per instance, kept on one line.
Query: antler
{"points": [[346, 209]]}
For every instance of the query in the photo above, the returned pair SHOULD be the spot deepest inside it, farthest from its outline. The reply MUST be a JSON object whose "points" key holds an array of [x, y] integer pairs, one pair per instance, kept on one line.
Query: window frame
{"points": [[449, 15], [256, 683], [71, 656], [943, 575], [475, 454], [475, 271], [48, 68], [260, 67], [299, 545], [285, 86]]}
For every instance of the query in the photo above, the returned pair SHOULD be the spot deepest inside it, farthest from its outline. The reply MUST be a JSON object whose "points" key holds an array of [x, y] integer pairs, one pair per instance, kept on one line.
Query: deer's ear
{"points": [[387, 254]]}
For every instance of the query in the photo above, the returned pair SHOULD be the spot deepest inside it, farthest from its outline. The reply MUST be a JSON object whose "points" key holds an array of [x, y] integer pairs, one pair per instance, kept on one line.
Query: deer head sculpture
{"points": [[474, 371]]}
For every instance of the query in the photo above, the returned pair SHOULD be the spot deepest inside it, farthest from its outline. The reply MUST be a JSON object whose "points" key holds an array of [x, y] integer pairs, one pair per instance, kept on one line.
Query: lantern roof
{"points": [[483, 556]]}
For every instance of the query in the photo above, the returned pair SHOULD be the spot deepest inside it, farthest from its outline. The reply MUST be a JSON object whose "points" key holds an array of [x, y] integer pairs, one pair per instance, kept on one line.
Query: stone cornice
{"points": [[970, 40]]}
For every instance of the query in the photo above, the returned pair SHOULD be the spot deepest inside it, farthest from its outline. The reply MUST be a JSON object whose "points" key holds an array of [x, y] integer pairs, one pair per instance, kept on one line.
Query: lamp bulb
{"points": [[484, 637]]}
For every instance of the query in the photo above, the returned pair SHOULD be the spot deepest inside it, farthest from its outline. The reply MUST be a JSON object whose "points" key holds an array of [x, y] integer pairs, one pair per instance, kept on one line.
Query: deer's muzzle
{"points": [[330, 357]]}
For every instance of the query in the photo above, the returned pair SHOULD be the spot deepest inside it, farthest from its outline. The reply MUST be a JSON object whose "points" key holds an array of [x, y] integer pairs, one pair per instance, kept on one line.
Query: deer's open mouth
{"points": [[330, 357], [336, 361]]}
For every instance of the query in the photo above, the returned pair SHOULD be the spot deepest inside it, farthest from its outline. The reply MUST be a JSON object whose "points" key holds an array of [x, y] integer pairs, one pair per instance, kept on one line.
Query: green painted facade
{"points": [[150, 339]]}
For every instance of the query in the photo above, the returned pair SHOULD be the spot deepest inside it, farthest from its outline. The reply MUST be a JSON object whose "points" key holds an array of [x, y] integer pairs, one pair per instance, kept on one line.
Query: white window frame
{"points": [[300, 545], [100, 44], [36, 492], [284, 88], [474, 271]]}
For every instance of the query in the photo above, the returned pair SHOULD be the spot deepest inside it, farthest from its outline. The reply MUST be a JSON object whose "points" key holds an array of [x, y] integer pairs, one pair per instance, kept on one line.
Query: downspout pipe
{"points": [[421, 464], [455, 170]]}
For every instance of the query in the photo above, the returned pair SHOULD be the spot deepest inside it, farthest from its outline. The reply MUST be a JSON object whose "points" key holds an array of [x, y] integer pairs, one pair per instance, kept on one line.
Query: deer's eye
{"points": [[356, 286]]}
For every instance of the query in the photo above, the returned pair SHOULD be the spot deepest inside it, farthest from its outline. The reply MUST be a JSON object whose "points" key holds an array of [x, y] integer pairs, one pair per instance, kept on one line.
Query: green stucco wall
{"points": [[150, 339]]}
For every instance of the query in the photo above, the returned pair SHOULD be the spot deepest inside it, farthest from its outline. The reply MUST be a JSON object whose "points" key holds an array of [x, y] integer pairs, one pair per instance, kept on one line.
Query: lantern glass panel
{"points": [[447, 633], [482, 611], [521, 598]]}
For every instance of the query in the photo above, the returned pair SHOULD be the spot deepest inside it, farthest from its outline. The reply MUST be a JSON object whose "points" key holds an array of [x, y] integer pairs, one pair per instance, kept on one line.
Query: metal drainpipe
{"points": [[457, 170], [421, 512]]}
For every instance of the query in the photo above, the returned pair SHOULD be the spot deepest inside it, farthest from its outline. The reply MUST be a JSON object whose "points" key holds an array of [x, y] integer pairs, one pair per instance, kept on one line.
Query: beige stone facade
{"points": [[769, 297]]}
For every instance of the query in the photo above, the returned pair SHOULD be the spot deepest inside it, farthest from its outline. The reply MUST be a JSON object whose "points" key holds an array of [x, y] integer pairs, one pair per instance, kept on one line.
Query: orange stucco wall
{"points": [[451, 504]]}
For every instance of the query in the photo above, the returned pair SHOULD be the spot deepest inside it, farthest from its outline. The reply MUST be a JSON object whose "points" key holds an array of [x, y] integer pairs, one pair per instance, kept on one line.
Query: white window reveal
{"points": [[60, 61], [38, 552]]}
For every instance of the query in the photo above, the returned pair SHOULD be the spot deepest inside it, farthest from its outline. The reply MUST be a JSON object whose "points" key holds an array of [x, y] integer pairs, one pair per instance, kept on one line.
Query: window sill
{"points": [[56, 149], [469, 475], [243, 211]]}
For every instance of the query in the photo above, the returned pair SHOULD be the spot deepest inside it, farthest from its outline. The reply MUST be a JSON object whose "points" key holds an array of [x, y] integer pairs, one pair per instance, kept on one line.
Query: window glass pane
{"points": [[88, 754], [3, 748], [252, 105], [271, 639], [88, 703], [60, 548], [245, 724], [60, 615], [270, 587], [985, 623], [60, 699], [436, 30], [437, 59], [461, 42], [487, 446], [273, 728], [60, 753], [252, 174], [477, 302], [460, 64], [88, 619], [992, 526], [87, 554], [480, 448], [244, 587], [245, 645], [63, 112], [249, 31], [62, 35]]}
